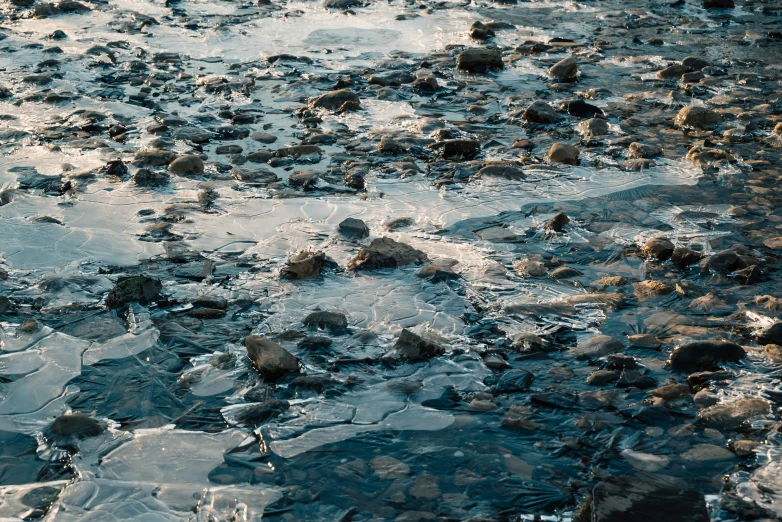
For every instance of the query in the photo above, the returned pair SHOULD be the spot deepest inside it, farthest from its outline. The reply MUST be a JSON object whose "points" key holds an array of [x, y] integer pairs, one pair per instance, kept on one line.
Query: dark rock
{"points": [[479, 31], [718, 4], [326, 320], [271, 359], [414, 347], [479, 60], [635, 379], [557, 223], [257, 414], [457, 149], [771, 334], [540, 112], [337, 101], [354, 228], [684, 257], [507, 171], [704, 355], [426, 83], [314, 343], [733, 416], [581, 109], [659, 248], [384, 252], [636, 499], [76, 425], [304, 265], [596, 347], [513, 381], [603, 377], [140, 289], [148, 178], [188, 165]]}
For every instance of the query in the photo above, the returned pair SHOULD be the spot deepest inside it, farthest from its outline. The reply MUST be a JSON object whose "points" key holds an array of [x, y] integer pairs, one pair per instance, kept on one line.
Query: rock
{"points": [[603, 377], [192, 134], [733, 416], [507, 171], [707, 156], [565, 272], [517, 418], [326, 320], [304, 265], [692, 77], [709, 304], [607, 281], [513, 381], [772, 351], [154, 158], [140, 289], [596, 347], [708, 454], [704, 355], [581, 109], [705, 398], [684, 257], [593, 127], [698, 117], [389, 468], [30, 325], [645, 290], [391, 78], [76, 425], [557, 223], [457, 149], [672, 71], [723, 262], [645, 461], [635, 379], [701, 378], [540, 112], [263, 137], [271, 359], [671, 392], [384, 252], [259, 413], [659, 248], [566, 69], [147, 178], [353, 228], [641, 499], [479, 31], [337, 101], [771, 334], [644, 151], [718, 4], [479, 60], [638, 164], [414, 347], [563, 153], [188, 165], [644, 341], [254, 176], [529, 268], [303, 179], [695, 63], [745, 448], [426, 83]]}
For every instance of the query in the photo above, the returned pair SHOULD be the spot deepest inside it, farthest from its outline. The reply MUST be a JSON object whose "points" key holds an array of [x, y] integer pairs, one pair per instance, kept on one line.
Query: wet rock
{"points": [[337, 101], [154, 158], [704, 355], [581, 109], [314, 343], [254, 176], [671, 392], [507, 171], [772, 351], [513, 381], [353, 228], [304, 265], [603, 377], [140, 289], [479, 60], [426, 83], [557, 223], [745, 448], [457, 149], [303, 179], [708, 454], [620, 499], [596, 347], [262, 412], [76, 425], [391, 78], [697, 117], [593, 127], [648, 341], [384, 252], [192, 134], [771, 334], [29, 326], [644, 151], [701, 378], [695, 63], [479, 31], [705, 398], [386, 467], [635, 379], [718, 4], [530, 268], [732, 416], [540, 112], [414, 347], [673, 71], [638, 164], [645, 290], [271, 359], [188, 165], [326, 320], [516, 418], [684, 257], [659, 248], [565, 70], [565, 272], [148, 178], [263, 137], [563, 153], [709, 304]]}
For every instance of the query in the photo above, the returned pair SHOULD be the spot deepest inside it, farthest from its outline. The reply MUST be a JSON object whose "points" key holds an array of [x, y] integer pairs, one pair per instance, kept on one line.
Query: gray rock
{"points": [[596, 347], [354, 228], [732, 416], [479, 60], [271, 359], [566, 69], [139, 289], [188, 165], [771, 334], [326, 320], [337, 101], [704, 355], [637, 499], [540, 112], [384, 252], [414, 347]]}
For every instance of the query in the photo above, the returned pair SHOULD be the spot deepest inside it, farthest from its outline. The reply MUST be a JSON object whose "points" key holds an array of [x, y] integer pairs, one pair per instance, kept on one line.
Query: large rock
{"points": [[732, 416], [564, 69], [659, 248], [596, 347], [771, 334], [636, 499], [698, 117], [563, 153], [271, 359], [188, 165], [479, 60], [337, 101], [304, 265], [540, 112], [414, 347], [384, 252], [704, 355], [138, 289]]}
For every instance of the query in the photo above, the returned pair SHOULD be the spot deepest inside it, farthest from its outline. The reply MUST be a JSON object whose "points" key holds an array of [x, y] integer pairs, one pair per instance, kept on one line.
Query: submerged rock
{"points": [[771, 334], [732, 416], [76, 425], [414, 347], [271, 359], [303, 265], [704, 355], [326, 320], [141, 289], [596, 347], [622, 499], [384, 252]]}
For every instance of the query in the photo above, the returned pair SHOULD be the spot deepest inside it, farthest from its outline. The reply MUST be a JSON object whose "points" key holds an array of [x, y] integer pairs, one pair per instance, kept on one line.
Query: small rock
{"points": [[304, 265], [384, 252], [354, 228], [603, 377], [638, 499], [593, 127], [540, 112], [644, 151], [479, 31], [771, 334], [659, 248], [645, 290], [596, 347], [188, 165], [705, 398], [732, 416], [479, 60], [671, 392], [337, 101], [566, 69], [414, 347], [672, 71], [327, 320], [389, 468], [563, 153], [707, 454], [648, 341], [698, 117], [271, 359], [140, 289], [76, 425], [557, 223]]}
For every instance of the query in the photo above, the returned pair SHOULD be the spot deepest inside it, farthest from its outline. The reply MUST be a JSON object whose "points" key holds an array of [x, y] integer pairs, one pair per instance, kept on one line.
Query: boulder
{"points": [[353, 228], [698, 117], [566, 69], [540, 112], [187, 165]]}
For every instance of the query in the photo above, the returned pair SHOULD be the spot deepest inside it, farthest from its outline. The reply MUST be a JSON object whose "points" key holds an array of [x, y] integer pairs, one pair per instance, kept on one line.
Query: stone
{"points": [[645, 461], [671, 392], [672, 71], [708, 454], [513, 381], [140, 289], [77, 425], [695, 63], [304, 265], [705, 398], [391, 78], [271, 359], [733, 416], [565, 272], [718, 4], [596, 347], [457, 149], [593, 127], [771, 334], [154, 158], [563, 153], [426, 83], [635, 379], [648, 341], [337, 101], [479, 31], [644, 151], [566, 69], [772, 351], [414, 347], [697, 117], [642, 499], [704, 355], [506, 171], [659, 248], [384, 252], [353, 228], [638, 164], [745, 448], [557, 223], [479, 60], [192, 134], [646, 290], [148, 178], [540, 112], [326, 320], [603, 377], [259, 413], [709, 304], [684, 257], [303, 179], [263, 137], [188, 165], [387, 467], [530, 268]]}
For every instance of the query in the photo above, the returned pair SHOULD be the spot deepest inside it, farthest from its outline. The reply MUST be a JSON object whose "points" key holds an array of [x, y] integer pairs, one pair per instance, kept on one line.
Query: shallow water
{"points": [[430, 440]]}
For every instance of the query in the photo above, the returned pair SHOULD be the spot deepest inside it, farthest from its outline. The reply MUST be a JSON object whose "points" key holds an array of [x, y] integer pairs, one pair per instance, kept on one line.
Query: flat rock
{"points": [[384, 252], [596, 347]]}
